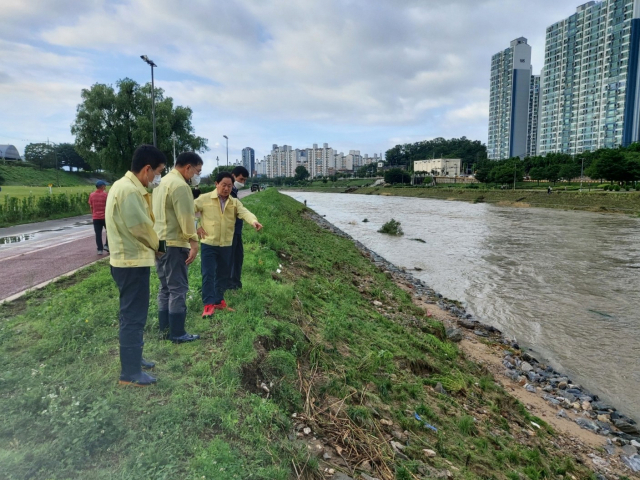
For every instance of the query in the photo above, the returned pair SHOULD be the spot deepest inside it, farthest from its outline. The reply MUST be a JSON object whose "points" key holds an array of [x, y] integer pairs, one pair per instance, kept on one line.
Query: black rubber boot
{"points": [[163, 323], [131, 373], [178, 333]]}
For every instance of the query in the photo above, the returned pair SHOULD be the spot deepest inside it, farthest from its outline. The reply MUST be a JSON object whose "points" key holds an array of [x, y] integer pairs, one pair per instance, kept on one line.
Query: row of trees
{"points": [[45, 155], [614, 165], [470, 151]]}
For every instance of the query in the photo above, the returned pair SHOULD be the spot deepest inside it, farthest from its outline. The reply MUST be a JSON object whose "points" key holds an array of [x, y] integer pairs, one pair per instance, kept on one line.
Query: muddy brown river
{"points": [[565, 284]]}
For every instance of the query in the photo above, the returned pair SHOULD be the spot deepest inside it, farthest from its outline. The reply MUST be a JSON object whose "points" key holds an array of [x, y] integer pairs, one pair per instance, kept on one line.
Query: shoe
{"points": [[223, 306], [106, 248], [100, 252], [208, 311], [187, 337], [147, 364], [141, 379], [235, 286]]}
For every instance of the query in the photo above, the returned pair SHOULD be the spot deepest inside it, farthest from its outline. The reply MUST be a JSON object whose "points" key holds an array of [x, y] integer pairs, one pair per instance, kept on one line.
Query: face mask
{"points": [[155, 182], [195, 180], [238, 185]]}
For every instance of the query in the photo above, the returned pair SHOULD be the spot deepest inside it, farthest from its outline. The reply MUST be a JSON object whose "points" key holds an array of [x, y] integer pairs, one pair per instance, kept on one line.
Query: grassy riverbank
{"points": [[596, 201], [332, 339]]}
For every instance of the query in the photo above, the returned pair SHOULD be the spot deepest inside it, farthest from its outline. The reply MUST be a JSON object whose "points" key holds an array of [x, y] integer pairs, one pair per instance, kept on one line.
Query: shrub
{"points": [[616, 188], [392, 227], [605, 188], [627, 188]]}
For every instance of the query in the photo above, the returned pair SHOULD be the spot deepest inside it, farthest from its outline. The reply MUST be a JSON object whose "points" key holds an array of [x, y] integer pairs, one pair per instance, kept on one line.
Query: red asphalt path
{"points": [[47, 255]]}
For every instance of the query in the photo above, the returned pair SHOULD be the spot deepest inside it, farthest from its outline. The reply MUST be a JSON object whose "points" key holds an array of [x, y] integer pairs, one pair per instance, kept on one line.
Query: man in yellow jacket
{"points": [[134, 247], [219, 212], [176, 225]]}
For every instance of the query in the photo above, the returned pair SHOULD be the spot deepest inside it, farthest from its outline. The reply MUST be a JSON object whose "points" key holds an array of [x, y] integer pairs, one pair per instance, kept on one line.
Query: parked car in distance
{"points": [[255, 187]]}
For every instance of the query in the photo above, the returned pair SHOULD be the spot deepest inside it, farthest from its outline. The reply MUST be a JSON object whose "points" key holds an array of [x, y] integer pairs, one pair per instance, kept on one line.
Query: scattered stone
{"points": [[629, 450], [562, 414], [562, 385], [598, 461], [367, 477], [386, 422], [587, 424], [632, 462], [429, 453], [306, 430], [626, 427], [377, 303], [604, 418], [610, 449], [585, 406], [454, 334], [635, 444], [440, 389], [522, 380], [397, 446], [526, 367], [341, 476], [398, 435], [530, 388]]}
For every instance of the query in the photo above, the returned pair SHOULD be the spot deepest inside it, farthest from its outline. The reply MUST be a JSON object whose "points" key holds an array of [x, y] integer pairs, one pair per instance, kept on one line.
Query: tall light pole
{"points": [[153, 96], [174, 138], [515, 168], [227, 149], [581, 173], [218, 163]]}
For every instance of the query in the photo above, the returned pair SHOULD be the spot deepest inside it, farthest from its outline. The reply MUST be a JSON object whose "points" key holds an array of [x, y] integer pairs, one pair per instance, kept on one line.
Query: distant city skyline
{"points": [[389, 73]]}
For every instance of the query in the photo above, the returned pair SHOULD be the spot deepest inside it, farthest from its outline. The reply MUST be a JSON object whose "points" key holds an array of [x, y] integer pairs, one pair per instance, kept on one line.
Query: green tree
{"points": [[397, 175], [301, 173], [367, 170], [42, 155], [538, 173], [68, 157], [470, 151], [569, 171], [110, 124], [552, 172], [505, 172]]}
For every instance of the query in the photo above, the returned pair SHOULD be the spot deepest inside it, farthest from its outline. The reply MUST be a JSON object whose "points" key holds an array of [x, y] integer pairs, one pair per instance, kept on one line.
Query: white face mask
{"points": [[155, 182], [238, 185], [195, 180]]}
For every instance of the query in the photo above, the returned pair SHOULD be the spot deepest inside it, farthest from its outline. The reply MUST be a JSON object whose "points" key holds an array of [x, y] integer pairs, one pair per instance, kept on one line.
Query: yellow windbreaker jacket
{"points": [[220, 225]]}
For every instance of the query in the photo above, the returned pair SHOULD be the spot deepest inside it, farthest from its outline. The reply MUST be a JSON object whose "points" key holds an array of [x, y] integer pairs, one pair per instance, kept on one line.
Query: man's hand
{"points": [[159, 255], [257, 226], [202, 232], [193, 253]]}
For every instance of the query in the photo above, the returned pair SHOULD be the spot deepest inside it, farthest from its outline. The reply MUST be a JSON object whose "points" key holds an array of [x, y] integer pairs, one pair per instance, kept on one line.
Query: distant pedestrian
{"points": [[240, 176], [134, 248], [220, 212], [549, 190], [174, 213], [97, 202]]}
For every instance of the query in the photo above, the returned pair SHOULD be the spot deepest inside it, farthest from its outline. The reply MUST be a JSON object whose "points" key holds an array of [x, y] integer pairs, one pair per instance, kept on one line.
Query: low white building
{"points": [[446, 167]]}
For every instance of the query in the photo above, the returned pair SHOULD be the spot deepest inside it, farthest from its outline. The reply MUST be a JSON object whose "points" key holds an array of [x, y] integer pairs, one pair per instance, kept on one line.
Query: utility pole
{"points": [[515, 169], [174, 138], [153, 95], [581, 173]]}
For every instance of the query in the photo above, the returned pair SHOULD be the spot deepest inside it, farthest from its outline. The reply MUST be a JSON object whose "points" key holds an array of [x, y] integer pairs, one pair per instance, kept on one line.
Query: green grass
{"points": [[309, 332], [23, 192], [26, 175]]}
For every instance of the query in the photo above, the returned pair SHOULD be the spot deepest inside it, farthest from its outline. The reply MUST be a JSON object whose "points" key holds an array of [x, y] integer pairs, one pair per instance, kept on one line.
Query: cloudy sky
{"points": [[358, 74]]}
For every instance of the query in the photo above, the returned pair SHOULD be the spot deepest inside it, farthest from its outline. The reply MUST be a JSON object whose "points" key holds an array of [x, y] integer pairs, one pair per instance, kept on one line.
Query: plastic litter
{"points": [[427, 425]]}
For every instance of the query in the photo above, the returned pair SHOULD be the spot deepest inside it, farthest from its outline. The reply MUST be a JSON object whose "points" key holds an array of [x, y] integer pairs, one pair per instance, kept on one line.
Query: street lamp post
{"points": [[153, 96], [581, 173], [174, 138], [515, 168], [227, 149], [218, 163]]}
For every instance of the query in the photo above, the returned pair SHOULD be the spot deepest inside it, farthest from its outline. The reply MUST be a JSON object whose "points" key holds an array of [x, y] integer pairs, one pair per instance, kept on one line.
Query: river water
{"points": [[565, 284]]}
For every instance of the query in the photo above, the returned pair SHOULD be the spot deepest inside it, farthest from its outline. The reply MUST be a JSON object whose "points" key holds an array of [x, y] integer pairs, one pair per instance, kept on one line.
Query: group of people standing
{"points": [[160, 230]]}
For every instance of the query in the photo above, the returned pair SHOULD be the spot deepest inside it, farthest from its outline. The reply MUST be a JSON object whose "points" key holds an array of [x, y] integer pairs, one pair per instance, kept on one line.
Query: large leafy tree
{"points": [[68, 157], [110, 123], [470, 151], [40, 154]]}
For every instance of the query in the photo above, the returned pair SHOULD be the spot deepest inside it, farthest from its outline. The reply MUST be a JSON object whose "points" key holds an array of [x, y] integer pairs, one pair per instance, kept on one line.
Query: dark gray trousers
{"points": [[174, 280], [133, 284]]}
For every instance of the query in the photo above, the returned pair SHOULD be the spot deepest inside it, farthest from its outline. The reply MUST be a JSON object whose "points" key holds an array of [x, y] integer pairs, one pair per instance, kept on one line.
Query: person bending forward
{"points": [[219, 212]]}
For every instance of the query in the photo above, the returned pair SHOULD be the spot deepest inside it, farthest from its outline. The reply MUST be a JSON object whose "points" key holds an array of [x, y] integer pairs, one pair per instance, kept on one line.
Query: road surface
{"points": [[36, 253]]}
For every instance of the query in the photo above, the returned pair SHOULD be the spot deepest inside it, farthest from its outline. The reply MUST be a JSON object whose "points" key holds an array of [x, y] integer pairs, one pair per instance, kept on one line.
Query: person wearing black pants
{"points": [[97, 202], [134, 249], [240, 176], [215, 263]]}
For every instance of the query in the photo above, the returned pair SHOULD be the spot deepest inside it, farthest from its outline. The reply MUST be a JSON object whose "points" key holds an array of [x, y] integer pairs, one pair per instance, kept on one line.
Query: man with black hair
{"points": [[175, 224], [134, 248], [220, 212], [240, 176]]}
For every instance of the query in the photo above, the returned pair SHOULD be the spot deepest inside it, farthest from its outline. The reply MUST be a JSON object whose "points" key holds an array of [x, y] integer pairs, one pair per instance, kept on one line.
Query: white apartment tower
{"points": [[509, 101], [533, 123], [590, 83]]}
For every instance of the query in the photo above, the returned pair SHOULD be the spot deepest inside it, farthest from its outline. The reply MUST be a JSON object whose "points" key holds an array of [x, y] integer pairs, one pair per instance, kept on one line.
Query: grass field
{"points": [[305, 329], [22, 192], [29, 176]]}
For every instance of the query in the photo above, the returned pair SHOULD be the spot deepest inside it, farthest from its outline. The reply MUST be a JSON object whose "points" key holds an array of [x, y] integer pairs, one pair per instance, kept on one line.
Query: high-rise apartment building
{"points": [[533, 123], [509, 101], [590, 82], [249, 160]]}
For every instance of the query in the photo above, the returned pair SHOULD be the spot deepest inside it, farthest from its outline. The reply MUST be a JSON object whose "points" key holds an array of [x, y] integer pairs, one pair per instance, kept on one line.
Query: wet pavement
{"points": [[35, 253]]}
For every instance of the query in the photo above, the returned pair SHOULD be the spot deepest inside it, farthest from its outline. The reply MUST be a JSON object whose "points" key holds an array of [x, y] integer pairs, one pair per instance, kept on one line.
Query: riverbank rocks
{"points": [[454, 334]]}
